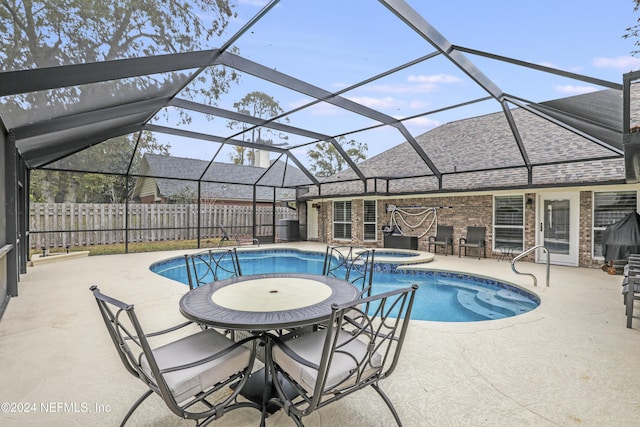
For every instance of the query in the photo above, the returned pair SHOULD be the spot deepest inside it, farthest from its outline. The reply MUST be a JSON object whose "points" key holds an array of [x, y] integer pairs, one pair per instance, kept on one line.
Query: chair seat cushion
{"points": [[185, 383], [310, 347]]}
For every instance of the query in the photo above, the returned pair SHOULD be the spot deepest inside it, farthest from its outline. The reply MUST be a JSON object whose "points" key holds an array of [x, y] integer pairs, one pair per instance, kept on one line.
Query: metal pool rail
{"points": [[527, 252]]}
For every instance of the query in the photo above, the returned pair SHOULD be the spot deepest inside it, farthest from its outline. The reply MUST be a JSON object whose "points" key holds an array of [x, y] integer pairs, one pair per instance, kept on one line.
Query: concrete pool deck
{"points": [[571, 361]]}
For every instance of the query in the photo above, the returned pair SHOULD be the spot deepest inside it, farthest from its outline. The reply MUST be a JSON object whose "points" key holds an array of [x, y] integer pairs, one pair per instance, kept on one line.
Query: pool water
{"points": [[442, 296]]}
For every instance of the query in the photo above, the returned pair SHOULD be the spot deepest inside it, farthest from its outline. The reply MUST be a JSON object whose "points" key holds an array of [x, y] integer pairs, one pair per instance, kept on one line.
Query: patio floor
{"points": [[571, 361]]}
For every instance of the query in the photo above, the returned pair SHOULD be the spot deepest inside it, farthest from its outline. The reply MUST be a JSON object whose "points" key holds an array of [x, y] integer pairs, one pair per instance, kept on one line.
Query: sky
{"points": [[334, 44]]}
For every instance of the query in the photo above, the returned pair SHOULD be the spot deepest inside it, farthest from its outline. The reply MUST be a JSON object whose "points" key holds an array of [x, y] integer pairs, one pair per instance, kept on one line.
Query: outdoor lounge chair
{"points": [[211, 265], [186, 373], [343, 357], [474, 239], [443, 237]]}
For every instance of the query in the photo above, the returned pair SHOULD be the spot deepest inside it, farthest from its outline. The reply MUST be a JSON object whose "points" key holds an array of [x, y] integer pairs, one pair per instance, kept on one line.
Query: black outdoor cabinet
{"points": [[401, 242]]}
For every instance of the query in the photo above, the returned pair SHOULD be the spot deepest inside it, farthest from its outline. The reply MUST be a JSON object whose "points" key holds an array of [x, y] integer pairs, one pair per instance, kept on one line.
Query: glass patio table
{"points": [[266, 302], [263, 302]]}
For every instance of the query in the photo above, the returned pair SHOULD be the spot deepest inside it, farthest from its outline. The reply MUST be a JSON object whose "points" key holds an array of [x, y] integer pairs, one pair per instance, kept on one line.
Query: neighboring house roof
{"points": [[220, 180], [463, 148]]}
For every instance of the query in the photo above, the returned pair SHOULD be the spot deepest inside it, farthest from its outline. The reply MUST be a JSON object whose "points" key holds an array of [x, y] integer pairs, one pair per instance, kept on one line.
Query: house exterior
{"points": [[574, 189], [169, 179]]}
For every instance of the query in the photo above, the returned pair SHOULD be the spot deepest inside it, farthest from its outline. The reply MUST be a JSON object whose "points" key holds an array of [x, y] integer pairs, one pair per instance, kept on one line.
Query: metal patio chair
{"points": [[238, 239], [474, 239], [355, 266], [443, 237], [343, 357], [190, 374], [211, 265], [631, 286]]}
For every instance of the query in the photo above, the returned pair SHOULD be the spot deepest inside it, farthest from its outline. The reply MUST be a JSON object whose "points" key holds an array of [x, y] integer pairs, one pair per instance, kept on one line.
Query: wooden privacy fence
{"points": [[84, 224]]}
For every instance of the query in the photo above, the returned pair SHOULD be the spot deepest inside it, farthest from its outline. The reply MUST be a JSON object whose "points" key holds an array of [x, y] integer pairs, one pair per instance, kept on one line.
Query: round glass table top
{"points": [[266, 301], [271, 294]]}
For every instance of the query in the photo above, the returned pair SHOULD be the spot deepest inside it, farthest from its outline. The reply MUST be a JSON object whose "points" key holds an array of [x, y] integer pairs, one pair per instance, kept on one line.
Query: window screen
{"points": [[508, 226], [342, 220], [369, 220]]}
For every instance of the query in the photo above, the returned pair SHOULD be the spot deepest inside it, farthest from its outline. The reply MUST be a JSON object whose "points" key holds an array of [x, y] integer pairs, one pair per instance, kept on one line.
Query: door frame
{"points": [[312, 221], [572, 259]]}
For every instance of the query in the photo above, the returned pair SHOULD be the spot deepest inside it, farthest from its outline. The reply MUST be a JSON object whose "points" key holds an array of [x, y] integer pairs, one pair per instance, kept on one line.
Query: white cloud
{"points": [[433, 79], [377, 103], [623, 63], [575, 90], [416, 84], [420, 125]]}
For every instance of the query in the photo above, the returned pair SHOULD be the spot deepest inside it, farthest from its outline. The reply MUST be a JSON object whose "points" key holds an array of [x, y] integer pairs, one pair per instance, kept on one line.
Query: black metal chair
{"points": [[186, 373], [342, 357], [443, 237], [349, 264], [238, 239], [211, 265], [631, 286], [475, 239]]}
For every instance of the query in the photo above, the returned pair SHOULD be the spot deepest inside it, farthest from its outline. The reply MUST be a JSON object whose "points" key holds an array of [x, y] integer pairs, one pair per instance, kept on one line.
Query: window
{"points": [[608, 208], [369, 220], [508, 222], [342, 220]]}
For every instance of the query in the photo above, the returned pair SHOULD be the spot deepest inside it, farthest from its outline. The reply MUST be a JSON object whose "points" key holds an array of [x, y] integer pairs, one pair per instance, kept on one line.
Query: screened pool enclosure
{"points": [[234, 94]]}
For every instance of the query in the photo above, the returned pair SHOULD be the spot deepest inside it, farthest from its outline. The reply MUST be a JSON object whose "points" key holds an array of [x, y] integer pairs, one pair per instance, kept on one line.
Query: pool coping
{"points": [[419, 257]]}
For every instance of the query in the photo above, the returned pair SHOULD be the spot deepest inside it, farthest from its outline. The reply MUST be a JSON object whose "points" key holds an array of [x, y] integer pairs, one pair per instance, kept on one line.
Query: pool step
{"points": [[467, 300], [504, 301], [492, 301], [490, 305], [508, 295]]}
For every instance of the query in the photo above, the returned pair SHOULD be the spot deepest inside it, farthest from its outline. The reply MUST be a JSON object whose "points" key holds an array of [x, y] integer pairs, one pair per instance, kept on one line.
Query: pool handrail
{"points": [[527, 252]]}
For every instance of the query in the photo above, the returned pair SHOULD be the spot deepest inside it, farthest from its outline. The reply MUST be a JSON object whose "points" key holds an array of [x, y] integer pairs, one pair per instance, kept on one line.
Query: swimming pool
{"points": [[443, 296]]}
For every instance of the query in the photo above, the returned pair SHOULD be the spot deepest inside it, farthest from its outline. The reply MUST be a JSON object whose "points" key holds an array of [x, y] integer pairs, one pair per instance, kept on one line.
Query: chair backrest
{"points": [[211, 265], [444, 233], [355, 266], [354, 354], [475, 234], [140, 360], [225, 235], [125, 330]]}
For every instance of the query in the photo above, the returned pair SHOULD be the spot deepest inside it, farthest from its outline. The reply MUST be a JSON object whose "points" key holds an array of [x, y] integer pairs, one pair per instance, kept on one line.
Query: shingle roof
{"points": [[185, 173], [462, 149]]}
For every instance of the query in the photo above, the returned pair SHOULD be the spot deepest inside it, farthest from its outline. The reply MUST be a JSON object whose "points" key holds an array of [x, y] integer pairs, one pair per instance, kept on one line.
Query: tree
{"points": [[261, 105], [36, 34], [634, 31], [113, 156], [327, 160]]}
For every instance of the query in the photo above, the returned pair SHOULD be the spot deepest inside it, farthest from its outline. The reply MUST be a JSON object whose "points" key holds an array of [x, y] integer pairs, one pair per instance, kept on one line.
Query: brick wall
{"points": [[460, 212], [586, 231]]}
